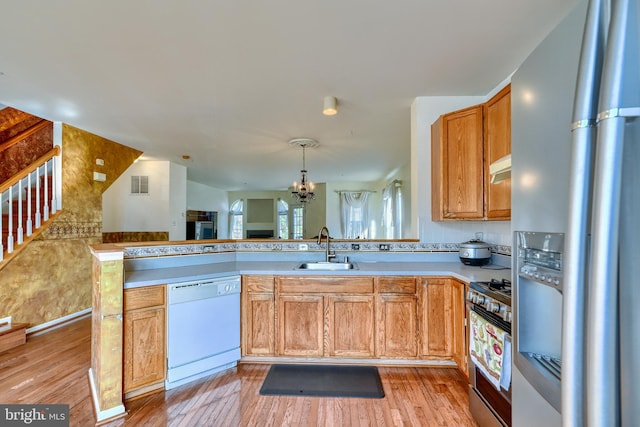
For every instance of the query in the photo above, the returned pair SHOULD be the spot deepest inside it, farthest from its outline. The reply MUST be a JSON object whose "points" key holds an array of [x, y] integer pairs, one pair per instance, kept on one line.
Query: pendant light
{"points": [[303, 191]]}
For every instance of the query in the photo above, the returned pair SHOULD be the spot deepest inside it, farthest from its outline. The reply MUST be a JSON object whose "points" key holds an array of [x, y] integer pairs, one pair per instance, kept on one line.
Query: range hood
{"points": [[500, 169]]}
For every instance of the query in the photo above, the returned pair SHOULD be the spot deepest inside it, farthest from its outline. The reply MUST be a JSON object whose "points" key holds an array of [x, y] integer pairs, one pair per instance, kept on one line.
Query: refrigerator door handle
{"points": [[583, 139], [603, 353]]}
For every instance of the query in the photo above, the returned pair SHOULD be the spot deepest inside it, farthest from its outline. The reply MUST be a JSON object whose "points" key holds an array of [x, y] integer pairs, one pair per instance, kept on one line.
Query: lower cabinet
{"points": [[392, 317], [144, 338], [436, 317], [258, 316], [443, 322], [301, 325], [397, 317], [325, 316], [350, 325], [459, 319]]}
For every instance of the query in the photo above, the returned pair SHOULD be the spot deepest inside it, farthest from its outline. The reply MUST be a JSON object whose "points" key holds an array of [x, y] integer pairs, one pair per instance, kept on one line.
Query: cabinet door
{"points": [[300, 325], [459, 316], [144, 347], [436, 312], [497, 144], [259, 325], [457, 168], [397, 324], [258, 315], [350, 325]]}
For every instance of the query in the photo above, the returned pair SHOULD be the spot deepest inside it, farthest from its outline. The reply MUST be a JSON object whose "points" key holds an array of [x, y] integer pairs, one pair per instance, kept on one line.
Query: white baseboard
{"points": [[56, 323], [103, 414]]}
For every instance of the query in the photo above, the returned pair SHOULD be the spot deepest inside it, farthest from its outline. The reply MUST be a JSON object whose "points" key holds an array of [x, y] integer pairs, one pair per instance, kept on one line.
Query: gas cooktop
{"points": [[499, 289]]}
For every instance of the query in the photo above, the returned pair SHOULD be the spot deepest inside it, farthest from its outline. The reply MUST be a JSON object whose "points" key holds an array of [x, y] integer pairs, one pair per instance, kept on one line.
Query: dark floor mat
{"points": [[323, 380]]}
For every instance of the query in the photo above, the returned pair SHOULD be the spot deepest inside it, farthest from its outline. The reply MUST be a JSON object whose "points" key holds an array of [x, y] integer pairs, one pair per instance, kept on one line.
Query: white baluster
{"points": [[46, 193], [54, 202], [38, 216], [29, 221], [20, 229], [10, 222]]}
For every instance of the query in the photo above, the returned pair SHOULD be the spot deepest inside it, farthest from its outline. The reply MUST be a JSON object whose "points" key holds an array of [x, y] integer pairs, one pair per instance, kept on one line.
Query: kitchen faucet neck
{"points": [[324, 231]]}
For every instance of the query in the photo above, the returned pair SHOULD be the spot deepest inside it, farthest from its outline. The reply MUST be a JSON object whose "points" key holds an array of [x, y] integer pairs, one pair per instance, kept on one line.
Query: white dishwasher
{"points": [[203, 328]]}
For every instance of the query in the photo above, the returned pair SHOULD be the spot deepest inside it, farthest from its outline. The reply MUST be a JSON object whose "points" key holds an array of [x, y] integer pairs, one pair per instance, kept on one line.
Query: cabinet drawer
{"points": [[258, 284], [332, 285], [397, 285], [148, 296]]}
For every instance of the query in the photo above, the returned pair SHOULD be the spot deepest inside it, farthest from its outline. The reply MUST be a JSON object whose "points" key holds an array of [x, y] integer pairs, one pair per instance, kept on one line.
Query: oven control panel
{"points": [[490, 304]]}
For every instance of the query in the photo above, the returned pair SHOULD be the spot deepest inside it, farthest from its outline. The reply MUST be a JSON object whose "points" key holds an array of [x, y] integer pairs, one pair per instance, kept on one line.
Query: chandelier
{"points": [[303, 191]]}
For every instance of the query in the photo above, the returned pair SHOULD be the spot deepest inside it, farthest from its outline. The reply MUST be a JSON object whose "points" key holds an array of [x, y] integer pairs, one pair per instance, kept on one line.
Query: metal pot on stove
{"points": [[475, 252]]}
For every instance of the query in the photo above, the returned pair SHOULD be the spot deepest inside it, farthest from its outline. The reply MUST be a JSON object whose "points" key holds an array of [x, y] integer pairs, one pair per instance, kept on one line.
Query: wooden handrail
{"points": [[33, 166], [21, 136]]}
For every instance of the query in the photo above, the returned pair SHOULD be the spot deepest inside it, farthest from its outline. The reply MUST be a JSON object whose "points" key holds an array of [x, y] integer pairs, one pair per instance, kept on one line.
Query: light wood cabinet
{"points": [[436, 317], [463, 145], [459, 329], [397, 317], [457, 168], [497, 144], [350, 325], [144, 338], [390, 317], [443, 322], [301, 325], [258, 316], [325, 316]]}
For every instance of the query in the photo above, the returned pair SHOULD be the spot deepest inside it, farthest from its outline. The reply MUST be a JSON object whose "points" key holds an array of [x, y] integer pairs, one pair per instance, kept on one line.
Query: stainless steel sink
{"points": [[323, 265]]}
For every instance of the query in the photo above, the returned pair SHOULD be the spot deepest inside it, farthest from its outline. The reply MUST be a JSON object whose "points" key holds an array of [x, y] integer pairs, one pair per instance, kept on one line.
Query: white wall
{"points": [[202, 197], [424, 111], [177, 201], [122, 211]]}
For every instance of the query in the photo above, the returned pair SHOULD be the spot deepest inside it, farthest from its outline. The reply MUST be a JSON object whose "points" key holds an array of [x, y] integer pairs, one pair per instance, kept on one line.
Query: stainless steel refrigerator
{"points": [[576, 177]]}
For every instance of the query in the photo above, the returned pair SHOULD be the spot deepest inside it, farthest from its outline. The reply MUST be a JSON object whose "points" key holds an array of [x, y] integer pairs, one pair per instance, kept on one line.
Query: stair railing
{"points": [[12, 191]]}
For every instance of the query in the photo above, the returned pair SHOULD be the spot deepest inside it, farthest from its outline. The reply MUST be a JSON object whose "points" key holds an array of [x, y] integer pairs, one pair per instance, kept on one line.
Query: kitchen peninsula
{"points": [[404, 304]]}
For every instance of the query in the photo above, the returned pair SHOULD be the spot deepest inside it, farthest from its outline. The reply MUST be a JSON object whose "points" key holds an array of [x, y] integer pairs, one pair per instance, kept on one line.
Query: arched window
{"points": [[236, 217], [283, 219]]}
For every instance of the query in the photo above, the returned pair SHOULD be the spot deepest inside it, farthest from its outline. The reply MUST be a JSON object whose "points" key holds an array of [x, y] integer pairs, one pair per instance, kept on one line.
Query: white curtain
{"points": [[392, 211], [354, 206]]}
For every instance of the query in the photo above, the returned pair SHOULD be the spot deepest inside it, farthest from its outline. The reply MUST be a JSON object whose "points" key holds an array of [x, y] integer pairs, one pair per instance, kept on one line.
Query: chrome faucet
{"points": [[329, 253]]}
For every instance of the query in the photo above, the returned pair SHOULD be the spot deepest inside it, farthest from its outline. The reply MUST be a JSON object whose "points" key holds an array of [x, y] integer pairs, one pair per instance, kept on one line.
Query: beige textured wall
{"points": [[51, 278]]}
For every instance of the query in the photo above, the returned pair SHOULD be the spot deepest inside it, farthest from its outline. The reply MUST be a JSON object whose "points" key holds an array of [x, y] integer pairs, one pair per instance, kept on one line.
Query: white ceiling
{"points": [[230, 82]]}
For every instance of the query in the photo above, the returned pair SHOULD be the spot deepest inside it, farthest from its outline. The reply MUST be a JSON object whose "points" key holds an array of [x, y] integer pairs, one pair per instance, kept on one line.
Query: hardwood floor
{"points": [[52, 368]]}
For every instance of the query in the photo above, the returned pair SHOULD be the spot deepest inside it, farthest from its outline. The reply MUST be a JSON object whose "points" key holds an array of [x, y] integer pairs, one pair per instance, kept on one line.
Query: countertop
{"points": [[169, 275]]}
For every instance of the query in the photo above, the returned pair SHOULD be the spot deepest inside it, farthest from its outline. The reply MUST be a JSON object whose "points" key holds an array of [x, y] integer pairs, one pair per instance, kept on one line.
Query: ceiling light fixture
{"points": [[303, 192], [330, 106]]}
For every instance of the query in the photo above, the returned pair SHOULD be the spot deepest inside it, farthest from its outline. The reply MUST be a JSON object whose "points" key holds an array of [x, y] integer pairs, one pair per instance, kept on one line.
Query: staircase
{"points": [[29, 202]]}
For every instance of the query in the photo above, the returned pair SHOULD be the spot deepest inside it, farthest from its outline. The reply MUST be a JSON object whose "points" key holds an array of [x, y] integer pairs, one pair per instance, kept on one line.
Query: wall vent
{"points": [[139, 185]]}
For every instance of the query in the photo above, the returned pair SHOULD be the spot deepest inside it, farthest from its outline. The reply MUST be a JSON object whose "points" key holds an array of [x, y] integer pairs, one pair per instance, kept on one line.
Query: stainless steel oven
{"points": [[489, 309]]}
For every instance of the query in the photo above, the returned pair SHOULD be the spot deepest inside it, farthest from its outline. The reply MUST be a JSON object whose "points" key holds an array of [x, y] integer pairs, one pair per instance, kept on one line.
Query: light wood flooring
{"points": [[52, 368]]}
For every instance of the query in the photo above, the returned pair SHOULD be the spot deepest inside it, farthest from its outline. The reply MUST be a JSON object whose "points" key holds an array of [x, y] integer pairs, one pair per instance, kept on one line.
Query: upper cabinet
{"points": [[463, 145], [497, 144], [456, 165]]}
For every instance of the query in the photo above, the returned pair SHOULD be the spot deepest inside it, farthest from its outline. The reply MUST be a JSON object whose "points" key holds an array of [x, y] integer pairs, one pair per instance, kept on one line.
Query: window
{"points": [[354, 207], [236, 219], [139, 185], [283, 219], [392, 211], [297, 222]]}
